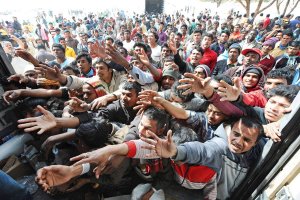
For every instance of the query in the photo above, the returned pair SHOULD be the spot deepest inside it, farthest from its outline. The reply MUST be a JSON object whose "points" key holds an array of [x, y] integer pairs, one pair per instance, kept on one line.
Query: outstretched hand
{"points": [[42, 123], [100, 157], [78, 105], [271, 130], [50, 73], [97, 50], [228, 92], [27, 56], [165, 148], [147, 98], [11, 96], [193, 83], [18, 78], [116, 56], [143, 58], [53, 175]]}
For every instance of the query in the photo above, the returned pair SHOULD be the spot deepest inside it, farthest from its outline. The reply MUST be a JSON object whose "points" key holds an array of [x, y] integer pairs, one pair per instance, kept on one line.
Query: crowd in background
{"points": [[157, 106]]}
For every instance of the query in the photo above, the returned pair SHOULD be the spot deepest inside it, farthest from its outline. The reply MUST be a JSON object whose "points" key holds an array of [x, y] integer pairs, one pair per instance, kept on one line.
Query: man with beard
{"points": [[251, 57], [232, 61], [250, 41]]}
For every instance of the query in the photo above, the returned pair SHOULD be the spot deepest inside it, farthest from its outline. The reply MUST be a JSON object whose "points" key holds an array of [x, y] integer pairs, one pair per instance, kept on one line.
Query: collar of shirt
{"points": [[233, 64], [266, 57]]}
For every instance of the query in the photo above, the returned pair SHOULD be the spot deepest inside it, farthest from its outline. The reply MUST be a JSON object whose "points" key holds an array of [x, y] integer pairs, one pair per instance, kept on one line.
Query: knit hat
{"points": [[270, 42], [98, 87], [254, 71], [205, 68], [172, 73], [235, 46]]}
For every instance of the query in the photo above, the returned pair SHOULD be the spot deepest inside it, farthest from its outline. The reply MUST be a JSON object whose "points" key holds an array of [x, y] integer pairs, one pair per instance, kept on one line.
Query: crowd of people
{"points": [[156, 106]]}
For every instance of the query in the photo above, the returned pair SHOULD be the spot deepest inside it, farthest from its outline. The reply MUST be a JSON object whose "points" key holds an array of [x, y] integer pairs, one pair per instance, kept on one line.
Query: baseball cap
{"points": [[255, 50]]}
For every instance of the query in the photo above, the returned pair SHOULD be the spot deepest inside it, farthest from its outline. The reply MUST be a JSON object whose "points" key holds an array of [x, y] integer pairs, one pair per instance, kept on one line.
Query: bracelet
{"points": [[85, 168]]}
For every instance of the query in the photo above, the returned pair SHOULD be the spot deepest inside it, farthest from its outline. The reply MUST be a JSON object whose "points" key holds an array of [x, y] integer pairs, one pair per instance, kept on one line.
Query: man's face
{"points": [[279, 36], [285, 40], [250, 80], [83, 65], [137, 39], [58, 53], [197, 38], [223, 38], [266, 49], [214, 115], [167, 82], [275, 108], [129, 98], [165, 52], [293, 51], [63, 42], [233, 54], [250, 59], [206, 42], [236, 29], [200, 72], [195, 56], [274, 82], [252, 35], [241, 138], [123, 52], [103, 71], [67, 35], [177, 40], [151, 38], [147, 124], [183, 30], [84, 38], [276, 27], [138, 50], [89, 93], [138, 64]]}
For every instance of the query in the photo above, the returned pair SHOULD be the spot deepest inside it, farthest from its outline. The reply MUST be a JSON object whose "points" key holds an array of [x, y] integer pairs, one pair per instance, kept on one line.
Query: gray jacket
{"points": [[231, 168]]}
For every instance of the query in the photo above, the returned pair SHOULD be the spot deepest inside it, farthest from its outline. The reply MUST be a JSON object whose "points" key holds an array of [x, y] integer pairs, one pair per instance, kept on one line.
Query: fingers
{"points": [[169, 136], [186, 81], [7, 95], [237, 83], [188, 91], [42, 110], [28, 124], [190, 75], [185, 86], [149, 141], [79, 157]]}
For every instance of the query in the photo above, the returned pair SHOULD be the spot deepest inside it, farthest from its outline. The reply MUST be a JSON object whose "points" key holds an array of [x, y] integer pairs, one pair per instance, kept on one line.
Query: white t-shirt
{"points": [[156, 52], [128, 45]]}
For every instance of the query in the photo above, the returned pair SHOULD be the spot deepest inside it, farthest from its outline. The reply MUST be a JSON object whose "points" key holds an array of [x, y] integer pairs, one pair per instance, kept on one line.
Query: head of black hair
{"points": [[86, 56]]}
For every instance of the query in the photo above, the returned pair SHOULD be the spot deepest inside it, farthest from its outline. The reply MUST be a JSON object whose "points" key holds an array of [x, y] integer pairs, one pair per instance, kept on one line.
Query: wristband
{"points": [[85, 168]]}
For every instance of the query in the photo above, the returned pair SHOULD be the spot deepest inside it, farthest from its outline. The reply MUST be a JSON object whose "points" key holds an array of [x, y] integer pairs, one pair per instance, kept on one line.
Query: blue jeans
{"points": [[12, 190]]}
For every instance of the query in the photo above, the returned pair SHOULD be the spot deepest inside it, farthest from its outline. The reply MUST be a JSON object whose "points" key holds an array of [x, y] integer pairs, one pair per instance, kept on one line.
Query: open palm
{"points": [[42, 123]]}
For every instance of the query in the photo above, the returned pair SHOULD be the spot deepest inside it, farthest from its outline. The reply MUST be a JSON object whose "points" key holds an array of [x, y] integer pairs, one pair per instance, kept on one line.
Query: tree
{"points": [[288, 3], [218, 2], [247, 3]]}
